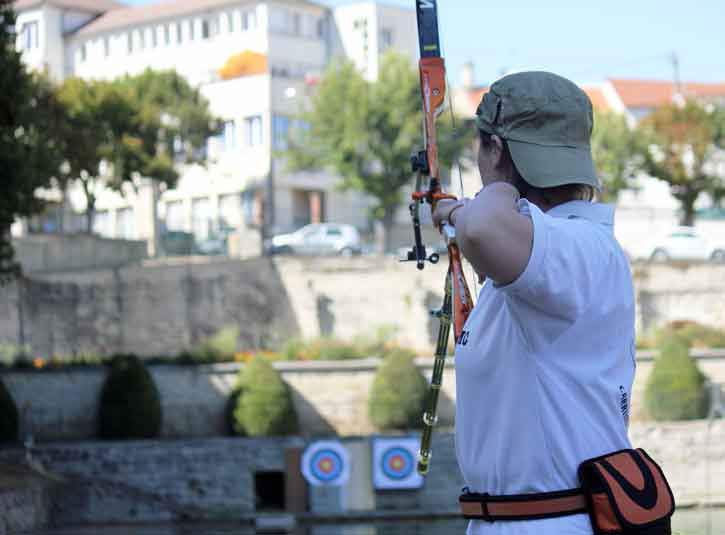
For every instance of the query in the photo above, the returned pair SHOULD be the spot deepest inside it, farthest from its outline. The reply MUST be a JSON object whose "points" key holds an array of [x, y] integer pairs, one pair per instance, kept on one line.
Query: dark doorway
{"points": [[269, 491]]}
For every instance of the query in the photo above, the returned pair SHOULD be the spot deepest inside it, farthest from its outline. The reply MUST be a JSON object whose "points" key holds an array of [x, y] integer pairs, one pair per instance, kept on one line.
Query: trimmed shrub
{"points": [[234, 428], [220, 347], [130, 406], [398, 393], [675, 387], [8, 416], [265, 406]]}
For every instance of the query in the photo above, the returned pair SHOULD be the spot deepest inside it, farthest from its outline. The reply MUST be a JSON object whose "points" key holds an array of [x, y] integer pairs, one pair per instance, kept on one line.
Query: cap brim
{"points": [[547, 167]]}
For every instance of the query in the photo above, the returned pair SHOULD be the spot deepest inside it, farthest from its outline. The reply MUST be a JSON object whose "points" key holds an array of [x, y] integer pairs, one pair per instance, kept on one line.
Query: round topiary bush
{"points": [[398, 393], [675, 387], [264, 407], [8, 416], [130, 406], [234, 428]]}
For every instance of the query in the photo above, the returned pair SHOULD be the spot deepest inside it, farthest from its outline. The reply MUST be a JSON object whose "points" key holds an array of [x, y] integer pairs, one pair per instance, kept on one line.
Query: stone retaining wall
{"points": [[160, 480], [329, 397], [162, 309]]}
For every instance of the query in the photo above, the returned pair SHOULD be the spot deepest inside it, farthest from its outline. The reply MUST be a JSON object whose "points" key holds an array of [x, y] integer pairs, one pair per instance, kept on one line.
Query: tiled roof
{"points": [[596, 95], [654, 93], [91, 6], [137, 15]]}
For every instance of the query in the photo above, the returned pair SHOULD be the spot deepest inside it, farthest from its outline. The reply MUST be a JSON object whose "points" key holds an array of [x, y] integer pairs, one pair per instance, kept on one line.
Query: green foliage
{"points": [[675, 387], [694, 334], [117, 130], [679, 146], [234, 427], [8, 416], [130, 406], [29, 153], [398, 393], [265, 406], [366, 131], [615, 149], [220, 347]]}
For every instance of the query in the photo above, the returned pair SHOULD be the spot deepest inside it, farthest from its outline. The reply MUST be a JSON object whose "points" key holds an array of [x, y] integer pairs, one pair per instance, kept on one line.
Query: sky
{"points": [[584, 40]]}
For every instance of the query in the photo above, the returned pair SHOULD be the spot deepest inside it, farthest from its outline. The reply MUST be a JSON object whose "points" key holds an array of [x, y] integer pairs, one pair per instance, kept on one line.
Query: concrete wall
{"points": [[331, 398], [61, 252], [162, 309]]}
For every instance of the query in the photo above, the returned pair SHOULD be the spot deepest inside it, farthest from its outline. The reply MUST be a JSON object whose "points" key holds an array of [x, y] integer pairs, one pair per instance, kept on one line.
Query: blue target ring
{"points": [[326, 465], [397, 463]]}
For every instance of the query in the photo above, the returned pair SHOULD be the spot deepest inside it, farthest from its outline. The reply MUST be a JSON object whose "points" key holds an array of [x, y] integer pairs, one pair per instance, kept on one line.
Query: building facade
{"points": [[283, 47]]}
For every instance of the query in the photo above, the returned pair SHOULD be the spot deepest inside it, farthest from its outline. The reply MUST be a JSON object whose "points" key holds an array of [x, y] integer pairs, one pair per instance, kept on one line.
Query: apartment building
{"points": [[283, 47]]}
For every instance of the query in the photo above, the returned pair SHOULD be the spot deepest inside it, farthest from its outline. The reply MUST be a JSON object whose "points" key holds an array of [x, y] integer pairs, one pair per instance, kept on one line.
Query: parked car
{"points": [[686, 243], [318, 239]]}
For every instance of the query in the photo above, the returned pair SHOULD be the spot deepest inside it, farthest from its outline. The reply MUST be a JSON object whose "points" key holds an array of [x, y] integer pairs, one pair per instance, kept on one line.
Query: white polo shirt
{"points": [[544, 374]]}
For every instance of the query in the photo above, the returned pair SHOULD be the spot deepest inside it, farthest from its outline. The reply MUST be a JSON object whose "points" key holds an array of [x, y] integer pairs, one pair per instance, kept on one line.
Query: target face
{"points": [[397, 463], [326, 462], [394, 463], [326, 465]]}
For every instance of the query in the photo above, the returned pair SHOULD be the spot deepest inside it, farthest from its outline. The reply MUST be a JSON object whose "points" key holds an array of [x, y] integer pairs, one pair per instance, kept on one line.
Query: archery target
{"points": [[326, 462], [394, 463]]}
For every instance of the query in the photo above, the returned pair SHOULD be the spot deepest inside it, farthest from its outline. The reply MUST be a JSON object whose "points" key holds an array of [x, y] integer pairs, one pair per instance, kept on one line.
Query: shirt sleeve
{"points": [[567, 260]]}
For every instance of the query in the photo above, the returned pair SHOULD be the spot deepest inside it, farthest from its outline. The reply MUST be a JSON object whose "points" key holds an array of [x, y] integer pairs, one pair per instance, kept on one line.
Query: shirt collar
{"points": [[600, 213]]}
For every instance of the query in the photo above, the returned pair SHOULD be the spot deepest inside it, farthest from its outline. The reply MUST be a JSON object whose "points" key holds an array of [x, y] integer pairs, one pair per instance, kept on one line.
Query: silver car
{"points": [[318, 239]]}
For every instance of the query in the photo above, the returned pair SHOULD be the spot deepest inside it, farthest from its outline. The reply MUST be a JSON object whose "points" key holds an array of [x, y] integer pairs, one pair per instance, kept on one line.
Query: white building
{"points": [[292, 40]]}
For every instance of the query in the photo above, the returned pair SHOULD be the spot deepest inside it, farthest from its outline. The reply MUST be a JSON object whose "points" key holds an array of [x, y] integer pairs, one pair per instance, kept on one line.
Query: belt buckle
{"points": [[479, 498]]}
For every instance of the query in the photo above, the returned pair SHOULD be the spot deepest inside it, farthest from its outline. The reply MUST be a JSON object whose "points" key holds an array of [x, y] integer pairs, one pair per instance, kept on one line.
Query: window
{"points": [[125, 226], [153, 37], [179, 37], [201, 218], [249, 20], [296, 24], [253, 131], [205, 29], [386, 38], [83, 52], [230, 22], [141, 39], [29, 36], [321, 28], [106, 47], [129, 43], [102, 223], [191, 29], [175, 216], [230, 211], [167, 34], [229, 136], [280, 131]]}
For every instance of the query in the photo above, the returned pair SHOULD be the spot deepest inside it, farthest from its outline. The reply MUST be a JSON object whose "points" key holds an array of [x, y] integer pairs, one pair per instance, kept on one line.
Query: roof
{"points": [[596, 95], [144, 14], [654, 93], [474, 95], [91, 6]]}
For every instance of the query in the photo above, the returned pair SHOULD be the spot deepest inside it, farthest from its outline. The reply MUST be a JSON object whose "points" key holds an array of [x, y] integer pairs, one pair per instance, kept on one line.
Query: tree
{"points": [[29, 154], [100, 138], [136, 126], [614, 149], [679, 151], [366, 131]]}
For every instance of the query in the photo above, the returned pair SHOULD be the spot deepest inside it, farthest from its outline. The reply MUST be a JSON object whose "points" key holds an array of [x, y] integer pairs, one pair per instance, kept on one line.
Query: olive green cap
{"points": [[547, 121]]}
